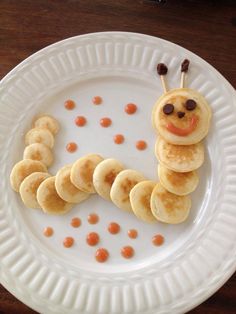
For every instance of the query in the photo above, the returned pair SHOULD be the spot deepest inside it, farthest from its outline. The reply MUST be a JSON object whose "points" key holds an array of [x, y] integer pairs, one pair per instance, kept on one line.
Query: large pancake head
{"points": [[179, 158], [182, 116]]}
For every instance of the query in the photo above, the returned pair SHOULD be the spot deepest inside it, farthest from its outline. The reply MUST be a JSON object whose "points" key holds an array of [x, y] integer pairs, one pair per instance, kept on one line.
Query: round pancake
{"points": [[65, 189], [47, 122], [39, 135], [140, 197], [22, 169], [177, 182], [49, 200], [179, 158], [29, 187], [122, 186], [194, 125], [168, 207], [82, 172], [104, 176], [40, 152]]}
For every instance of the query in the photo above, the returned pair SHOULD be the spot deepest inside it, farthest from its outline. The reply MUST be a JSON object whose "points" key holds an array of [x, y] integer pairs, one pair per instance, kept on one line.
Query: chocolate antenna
{"points": [[162, 71], [184, 70]]}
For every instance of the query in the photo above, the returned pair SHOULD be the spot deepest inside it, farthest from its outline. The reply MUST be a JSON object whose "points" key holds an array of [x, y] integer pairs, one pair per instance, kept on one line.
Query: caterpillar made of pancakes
{"points": [[181, 118]]}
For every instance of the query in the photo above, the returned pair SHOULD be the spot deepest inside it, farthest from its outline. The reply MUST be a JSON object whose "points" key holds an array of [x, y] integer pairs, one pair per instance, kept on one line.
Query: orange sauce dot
{"points": [[68, 242], [158, 239], [92, 238], [80, 121], [127, 252], [75, 222], [105, 122], [130, 108], [132, 233], [69, 104], [113, 228], [97, 100], [93, 219], [101, 255], [48, 232], [71, 147], [141, 145], [118, 139]]}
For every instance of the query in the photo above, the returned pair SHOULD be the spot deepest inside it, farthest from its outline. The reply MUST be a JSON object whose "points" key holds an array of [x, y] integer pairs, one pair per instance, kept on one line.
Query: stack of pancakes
{"points": [[181, 118]]}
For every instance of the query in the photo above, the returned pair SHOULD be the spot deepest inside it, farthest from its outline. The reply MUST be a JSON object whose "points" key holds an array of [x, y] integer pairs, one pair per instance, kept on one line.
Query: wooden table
{"points": [[208, 28]]}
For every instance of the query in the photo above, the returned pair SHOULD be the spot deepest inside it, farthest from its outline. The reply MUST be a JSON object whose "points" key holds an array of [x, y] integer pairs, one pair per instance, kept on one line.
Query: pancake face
{"points": [[40, 152], [104, 176], [29, 187], [123, 184], [168, 207], [185, 120], [49, 200], [177, 182], [47, 122], [179, 158], [39, 135], [140, 197], [82, 172], [65, 189], [22, 169]]}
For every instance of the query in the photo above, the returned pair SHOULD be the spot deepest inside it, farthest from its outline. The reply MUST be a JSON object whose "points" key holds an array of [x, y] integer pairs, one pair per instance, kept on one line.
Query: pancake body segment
{"points": [[168, 207], [104, 176], [82, 172], [179, 183], [22, 169], [47, 122], [179, 158], [140, 197], [120, 190], [40, 152], [29, 187], [66, 189], [39, 135], [49, 200]]}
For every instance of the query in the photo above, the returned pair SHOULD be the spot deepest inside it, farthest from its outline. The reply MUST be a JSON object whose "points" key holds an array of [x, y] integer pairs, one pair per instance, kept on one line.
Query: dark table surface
{"points": [[207, 28]]}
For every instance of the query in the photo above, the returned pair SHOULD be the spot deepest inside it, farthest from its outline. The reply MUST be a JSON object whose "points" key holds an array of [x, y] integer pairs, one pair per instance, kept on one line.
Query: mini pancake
{"points": [[104, 176], [82, 172], [40, 152], [188, 123], [179, 158], [22, 169], [122, 186], [49, 200], [29, 187], [65, 189], [177, 182], [47, 122], [140, 196], [39, 135], [168, 207]]}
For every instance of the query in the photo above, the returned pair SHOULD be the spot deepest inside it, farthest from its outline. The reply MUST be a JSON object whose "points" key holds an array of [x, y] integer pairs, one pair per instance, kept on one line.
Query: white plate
{"points": [[198, 256]]}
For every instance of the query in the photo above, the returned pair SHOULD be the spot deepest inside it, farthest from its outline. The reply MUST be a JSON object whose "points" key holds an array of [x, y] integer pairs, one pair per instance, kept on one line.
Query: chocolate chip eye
{"points": [[168, 109], [190, 104]]}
